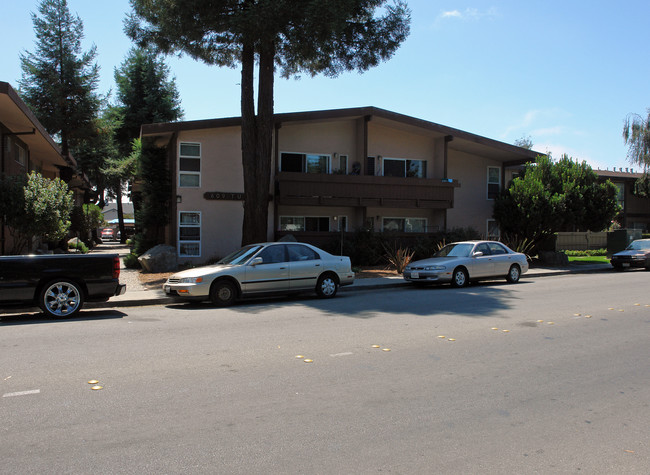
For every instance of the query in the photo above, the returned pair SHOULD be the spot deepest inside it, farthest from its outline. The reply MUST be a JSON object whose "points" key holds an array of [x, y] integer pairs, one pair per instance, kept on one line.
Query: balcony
{"points": [[311, 189]]}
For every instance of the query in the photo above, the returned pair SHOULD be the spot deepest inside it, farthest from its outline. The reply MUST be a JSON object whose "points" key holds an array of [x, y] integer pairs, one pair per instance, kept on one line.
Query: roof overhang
{"points": [[457, 139], [19, 119]]}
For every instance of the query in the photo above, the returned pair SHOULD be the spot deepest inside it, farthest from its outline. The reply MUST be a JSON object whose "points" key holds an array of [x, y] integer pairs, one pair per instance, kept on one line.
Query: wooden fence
{"points": [[581, 241]]}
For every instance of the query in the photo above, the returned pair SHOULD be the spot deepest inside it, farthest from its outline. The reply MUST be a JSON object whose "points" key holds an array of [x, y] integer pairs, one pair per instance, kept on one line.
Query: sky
{"points": [[565, 73]]}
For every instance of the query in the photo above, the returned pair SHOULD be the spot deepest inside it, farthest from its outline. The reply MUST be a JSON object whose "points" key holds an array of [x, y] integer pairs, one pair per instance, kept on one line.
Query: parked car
{"points": [[59, 284], [260, 269], [637, 254], [109, 234], [462, 262]]}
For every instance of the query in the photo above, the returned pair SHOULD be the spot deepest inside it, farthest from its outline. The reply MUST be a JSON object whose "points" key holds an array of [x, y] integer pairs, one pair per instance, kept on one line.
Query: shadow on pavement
{"points": [[39, 317]]}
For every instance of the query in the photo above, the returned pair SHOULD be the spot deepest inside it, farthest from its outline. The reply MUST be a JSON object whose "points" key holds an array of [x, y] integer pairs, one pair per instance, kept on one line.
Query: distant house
{"points": [[635, 210], [110, 211], [333, 171], [26, 146]]}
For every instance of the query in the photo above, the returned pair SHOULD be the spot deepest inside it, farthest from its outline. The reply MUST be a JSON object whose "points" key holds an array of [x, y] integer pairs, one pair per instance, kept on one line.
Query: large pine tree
{"points": [[312, 36], [59, 79]]}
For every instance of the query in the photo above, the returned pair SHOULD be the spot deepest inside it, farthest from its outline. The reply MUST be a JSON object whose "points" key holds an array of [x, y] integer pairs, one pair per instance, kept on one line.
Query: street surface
{"points": [[550, 375]]}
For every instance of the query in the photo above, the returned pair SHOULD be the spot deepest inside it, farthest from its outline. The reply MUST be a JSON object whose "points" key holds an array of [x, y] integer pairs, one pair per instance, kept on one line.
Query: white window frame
{"points": [[304, 160], [403, 230], [181, 225], [337, 219], [487, 191], [189, 173]]}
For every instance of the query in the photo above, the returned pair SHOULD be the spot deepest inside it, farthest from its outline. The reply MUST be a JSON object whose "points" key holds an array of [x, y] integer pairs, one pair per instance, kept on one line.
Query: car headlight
{"points": [[435, 268], [191, 280]]}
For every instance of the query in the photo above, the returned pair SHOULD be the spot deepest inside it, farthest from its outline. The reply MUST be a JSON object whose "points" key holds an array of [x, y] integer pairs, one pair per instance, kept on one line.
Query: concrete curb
{"points": [[157, 297]]}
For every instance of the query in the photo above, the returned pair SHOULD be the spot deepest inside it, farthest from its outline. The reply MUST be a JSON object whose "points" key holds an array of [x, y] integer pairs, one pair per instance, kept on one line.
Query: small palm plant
{"points": [[398, 256]]}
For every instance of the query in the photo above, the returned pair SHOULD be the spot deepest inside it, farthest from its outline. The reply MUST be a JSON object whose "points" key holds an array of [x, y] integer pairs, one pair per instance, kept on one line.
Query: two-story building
{"points": [[333, 170], [25, 146], [635, 209]]}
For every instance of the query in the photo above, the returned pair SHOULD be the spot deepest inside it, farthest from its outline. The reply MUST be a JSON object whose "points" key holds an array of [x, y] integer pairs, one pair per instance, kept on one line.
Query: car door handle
{"points": [[317, 265]]}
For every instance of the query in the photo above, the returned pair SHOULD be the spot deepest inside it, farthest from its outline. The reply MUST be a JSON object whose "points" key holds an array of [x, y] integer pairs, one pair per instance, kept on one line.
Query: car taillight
{"points": [[116, 267]]}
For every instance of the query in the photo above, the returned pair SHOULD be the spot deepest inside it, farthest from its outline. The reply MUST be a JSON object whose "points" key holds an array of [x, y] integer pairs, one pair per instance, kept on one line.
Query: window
{"points": [[273, 254], [620, 194], [305, 223], [497, 249], [493, 231], [304, 163], [298, 252], [343, 164], [400, 167], [494, 182], [189, 165], [189, 234], [405, 225], [340, 223], [21, 155]]}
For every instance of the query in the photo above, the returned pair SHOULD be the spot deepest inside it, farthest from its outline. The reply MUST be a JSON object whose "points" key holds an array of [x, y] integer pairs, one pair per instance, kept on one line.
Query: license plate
{"points": [[415, 275], [626, 264]]}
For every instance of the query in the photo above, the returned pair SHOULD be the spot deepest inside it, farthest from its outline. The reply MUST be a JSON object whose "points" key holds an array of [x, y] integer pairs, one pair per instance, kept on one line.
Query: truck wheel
{"points": [[327, 286], [61, 298], [223, 293]]}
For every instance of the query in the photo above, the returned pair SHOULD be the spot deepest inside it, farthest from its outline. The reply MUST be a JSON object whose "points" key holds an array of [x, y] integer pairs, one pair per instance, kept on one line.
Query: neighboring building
{"points": [[635, 210], [110, 211], [25, 146], [350, 168]]}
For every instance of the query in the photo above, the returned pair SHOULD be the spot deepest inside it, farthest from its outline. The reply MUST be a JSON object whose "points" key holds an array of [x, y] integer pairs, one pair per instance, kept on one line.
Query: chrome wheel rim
{"points": [[514, 274], [62, 299]]}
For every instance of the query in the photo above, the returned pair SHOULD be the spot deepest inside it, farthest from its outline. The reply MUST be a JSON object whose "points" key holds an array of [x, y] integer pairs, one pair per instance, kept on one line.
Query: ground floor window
{"points": [[189, 234], [405, 225], [305, 223]]}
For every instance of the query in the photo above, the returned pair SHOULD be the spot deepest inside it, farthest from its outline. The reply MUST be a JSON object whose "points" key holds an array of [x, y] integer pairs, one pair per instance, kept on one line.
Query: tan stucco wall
{"points": [[221, 170], [392, 143], [471, 206]]}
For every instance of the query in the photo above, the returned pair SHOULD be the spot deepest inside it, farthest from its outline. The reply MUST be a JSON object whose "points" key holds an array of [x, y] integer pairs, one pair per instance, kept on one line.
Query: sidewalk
{"points": [[137, 295]]}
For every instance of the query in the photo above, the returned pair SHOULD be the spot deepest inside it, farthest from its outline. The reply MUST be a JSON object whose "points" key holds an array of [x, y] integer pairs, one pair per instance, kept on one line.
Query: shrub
{"points": [[398, 256], [79, 246], [131, 261], [587, 253]]}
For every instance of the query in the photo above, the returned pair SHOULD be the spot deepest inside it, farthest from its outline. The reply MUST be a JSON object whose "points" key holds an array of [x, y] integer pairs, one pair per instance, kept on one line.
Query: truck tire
{"points": [[61, 298]]}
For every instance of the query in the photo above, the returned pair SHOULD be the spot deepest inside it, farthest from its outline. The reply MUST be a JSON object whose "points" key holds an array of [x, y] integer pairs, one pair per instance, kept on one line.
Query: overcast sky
{"points": [[564, 72]]}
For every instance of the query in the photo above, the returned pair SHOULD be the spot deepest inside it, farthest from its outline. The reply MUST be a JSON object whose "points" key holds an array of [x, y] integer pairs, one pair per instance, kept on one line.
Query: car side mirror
{"points": [[256, 261], [477, 254]]}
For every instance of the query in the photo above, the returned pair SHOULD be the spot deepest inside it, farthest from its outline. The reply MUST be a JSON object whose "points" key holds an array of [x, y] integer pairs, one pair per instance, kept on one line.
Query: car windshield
{"points": [[638, 245], [241, 256], [455, 250]]}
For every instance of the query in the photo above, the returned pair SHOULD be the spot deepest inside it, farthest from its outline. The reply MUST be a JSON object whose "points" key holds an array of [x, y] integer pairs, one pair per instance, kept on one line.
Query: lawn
{"points": [[589, 260]]}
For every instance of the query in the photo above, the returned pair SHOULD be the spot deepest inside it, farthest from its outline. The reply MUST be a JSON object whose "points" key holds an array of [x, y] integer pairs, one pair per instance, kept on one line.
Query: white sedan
{"points": [[261, 269], [462, 262]]}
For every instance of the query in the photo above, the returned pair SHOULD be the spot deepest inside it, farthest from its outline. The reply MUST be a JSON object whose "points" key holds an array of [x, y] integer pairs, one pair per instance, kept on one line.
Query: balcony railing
{"points": [[362, 191]]}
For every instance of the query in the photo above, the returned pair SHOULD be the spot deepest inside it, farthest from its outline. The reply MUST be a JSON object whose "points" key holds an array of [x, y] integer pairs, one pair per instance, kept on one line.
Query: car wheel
{"points": [[460, 277], [513, 274], [327, 286], [61, 298], [223, 293]]}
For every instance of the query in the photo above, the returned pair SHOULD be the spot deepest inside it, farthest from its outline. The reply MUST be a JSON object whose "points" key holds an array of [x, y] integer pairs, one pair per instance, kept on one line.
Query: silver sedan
{"points": [[261, 269], [462, 262]]}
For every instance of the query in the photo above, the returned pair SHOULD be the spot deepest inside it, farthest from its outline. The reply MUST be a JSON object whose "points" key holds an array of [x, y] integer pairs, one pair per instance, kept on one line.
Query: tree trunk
{"points": [[257, 137], [120, 215]]}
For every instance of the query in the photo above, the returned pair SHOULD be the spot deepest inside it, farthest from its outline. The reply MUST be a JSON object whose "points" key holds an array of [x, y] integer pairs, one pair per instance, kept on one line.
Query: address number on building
{"points": [[219, 195]]}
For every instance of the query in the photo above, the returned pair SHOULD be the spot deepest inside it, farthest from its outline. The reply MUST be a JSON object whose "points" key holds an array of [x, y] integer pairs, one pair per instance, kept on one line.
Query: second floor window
{"points": [[493, 182], [405, 168], [304, 163], [189, 165]]}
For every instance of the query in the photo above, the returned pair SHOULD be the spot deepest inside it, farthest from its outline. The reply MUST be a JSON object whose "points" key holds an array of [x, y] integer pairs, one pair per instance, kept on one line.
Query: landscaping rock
{"points": [[161, 258]]}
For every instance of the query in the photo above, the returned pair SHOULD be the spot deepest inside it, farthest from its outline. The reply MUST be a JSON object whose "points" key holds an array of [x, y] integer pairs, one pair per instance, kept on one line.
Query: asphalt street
{"points": [[546, 376]]}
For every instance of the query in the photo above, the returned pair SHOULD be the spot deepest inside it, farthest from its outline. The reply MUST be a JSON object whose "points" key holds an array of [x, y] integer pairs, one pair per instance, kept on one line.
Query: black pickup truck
{"points": [[59, 284]]}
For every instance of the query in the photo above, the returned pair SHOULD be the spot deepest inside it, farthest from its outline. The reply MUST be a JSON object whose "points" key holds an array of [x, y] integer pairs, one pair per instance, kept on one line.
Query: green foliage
{"points": [[642, 186], [587, 253], [152, 211], [80, 246], [131, 261], [34, 206], [553, 196], [145, 95], [59, 79], [85, 218], [636, 133]]}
